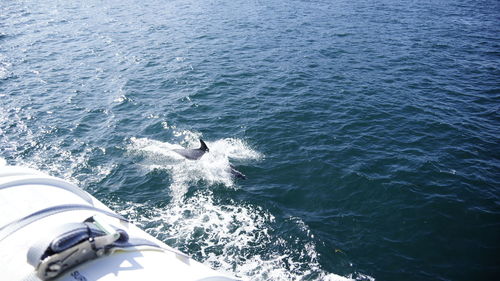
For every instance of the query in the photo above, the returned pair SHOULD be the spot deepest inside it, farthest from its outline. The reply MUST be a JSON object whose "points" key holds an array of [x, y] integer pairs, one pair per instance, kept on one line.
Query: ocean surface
{"points": [[369, 130]]}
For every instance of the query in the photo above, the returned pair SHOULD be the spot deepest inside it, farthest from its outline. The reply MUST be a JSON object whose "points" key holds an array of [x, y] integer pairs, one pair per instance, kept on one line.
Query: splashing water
{"points": [[213, 168], [231, 237]]}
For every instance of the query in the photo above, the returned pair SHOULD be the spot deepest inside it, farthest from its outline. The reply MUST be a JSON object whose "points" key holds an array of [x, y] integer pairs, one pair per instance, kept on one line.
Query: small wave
{"points": [[212, 168], [5, 67], [24, 146]]}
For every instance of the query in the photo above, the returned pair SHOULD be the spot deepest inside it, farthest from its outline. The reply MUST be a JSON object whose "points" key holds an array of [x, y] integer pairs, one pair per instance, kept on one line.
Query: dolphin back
{"points": [[193, 154], [203, 146], [237, 173]]}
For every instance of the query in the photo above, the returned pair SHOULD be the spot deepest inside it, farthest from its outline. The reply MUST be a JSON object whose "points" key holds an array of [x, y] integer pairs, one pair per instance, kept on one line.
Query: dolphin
{"points": [[195, 154], [237, 173]]}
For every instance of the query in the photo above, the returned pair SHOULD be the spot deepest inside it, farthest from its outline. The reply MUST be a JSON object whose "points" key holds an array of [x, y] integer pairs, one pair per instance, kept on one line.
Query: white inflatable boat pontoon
{"points": [[52, 230]]}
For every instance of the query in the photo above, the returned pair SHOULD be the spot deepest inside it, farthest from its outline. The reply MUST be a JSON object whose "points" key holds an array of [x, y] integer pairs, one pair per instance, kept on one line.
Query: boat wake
{"points": [[232, 237]]}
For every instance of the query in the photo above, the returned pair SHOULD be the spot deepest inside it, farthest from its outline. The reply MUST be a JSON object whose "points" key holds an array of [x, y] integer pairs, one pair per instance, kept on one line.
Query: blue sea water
{"points": [[368, 130]]}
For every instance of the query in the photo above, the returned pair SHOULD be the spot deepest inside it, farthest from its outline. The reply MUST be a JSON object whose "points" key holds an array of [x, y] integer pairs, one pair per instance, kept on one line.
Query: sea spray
{"points": [[230, 237], [211, 169]]}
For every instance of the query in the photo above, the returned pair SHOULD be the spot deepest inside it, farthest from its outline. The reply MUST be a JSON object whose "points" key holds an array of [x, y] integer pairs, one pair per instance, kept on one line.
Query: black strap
{"points": [[72, 244]]}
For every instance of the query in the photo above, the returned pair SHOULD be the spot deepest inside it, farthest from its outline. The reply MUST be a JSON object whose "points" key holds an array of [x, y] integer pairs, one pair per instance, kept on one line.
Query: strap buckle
{"points": [[98, 241]]}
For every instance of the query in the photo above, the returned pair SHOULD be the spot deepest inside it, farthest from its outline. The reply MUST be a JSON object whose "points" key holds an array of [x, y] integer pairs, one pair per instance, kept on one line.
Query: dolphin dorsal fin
{"points": [[203, 146]]}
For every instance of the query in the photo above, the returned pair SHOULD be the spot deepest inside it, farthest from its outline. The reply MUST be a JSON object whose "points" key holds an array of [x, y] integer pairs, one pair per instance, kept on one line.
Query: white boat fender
{"points": [[12, 181], [12, 227], [75, 243], [52, 230]]}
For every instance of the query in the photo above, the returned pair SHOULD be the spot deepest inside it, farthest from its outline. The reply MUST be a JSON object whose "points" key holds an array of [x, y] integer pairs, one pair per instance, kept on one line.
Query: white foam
{"points": [[211, 169], [231, 237]]}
